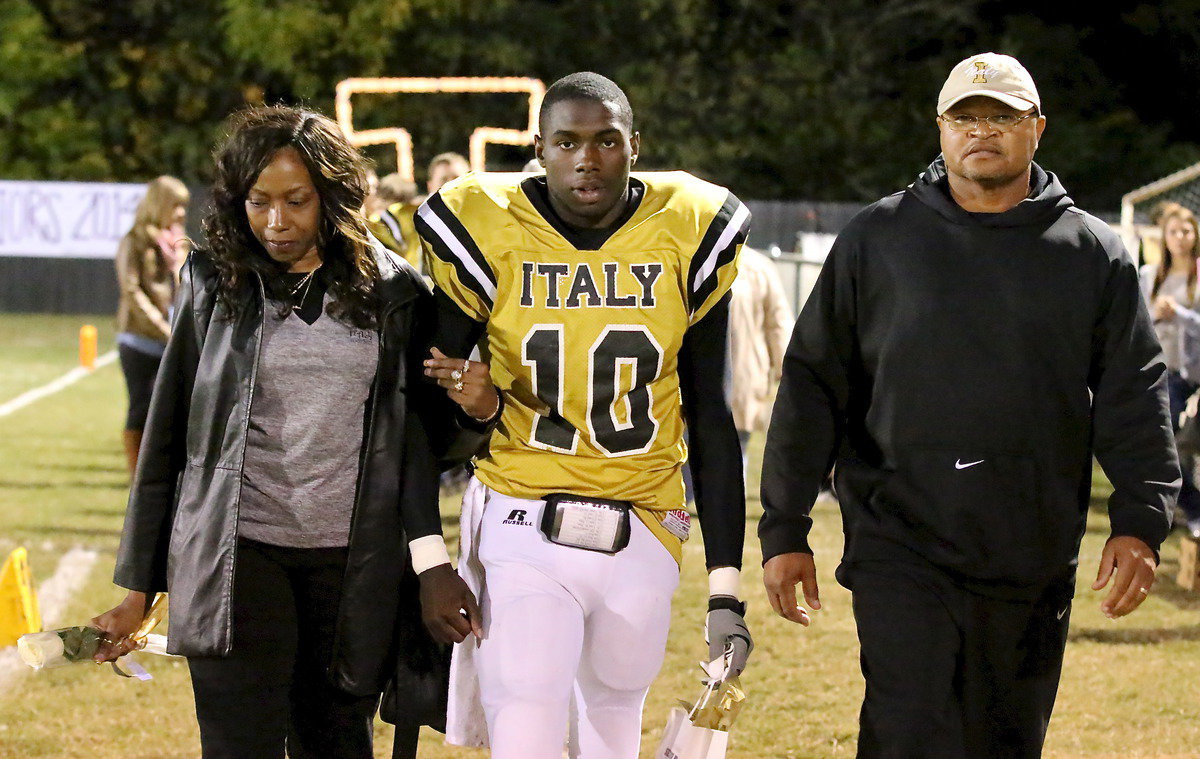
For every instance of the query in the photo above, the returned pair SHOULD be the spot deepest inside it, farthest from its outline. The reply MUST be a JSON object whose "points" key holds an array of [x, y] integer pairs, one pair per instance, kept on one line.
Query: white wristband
{"points": [[725, 581], [428, 552]]}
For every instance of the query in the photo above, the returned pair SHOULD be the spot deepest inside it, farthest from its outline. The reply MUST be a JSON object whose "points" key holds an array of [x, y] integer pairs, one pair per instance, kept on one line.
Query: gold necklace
{"points": [[306, 283]]}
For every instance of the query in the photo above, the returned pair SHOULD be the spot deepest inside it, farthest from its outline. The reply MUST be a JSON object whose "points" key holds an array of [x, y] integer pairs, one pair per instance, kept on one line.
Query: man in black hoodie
{"points": [[970, 344]]}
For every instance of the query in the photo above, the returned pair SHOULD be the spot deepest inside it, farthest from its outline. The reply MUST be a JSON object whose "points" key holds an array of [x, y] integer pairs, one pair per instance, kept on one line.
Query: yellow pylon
{"points": [[18, 603]]}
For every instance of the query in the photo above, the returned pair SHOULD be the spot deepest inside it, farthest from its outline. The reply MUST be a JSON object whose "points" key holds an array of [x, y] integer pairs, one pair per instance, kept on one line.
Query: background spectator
{"points": [[392, 224], [394, 188], [1170, 289], [443, 168], [760, 324], [147, 259]]}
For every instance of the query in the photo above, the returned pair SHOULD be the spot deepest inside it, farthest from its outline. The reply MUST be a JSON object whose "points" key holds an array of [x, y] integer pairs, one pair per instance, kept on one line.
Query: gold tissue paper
{"points": [[719, 705]]}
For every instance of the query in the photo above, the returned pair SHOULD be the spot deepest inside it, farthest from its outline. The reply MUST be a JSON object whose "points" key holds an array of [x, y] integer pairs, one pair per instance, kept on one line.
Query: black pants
{"points": [[139, 369], [272, 689], [952, 674]]}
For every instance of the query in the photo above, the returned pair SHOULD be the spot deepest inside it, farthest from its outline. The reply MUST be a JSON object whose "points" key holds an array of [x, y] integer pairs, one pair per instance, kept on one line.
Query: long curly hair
{"points": [[338, 172]]}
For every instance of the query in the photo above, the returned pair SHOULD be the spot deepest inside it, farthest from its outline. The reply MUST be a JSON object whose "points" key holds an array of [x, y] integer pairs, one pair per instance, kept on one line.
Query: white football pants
{"points": [[572, 636]]}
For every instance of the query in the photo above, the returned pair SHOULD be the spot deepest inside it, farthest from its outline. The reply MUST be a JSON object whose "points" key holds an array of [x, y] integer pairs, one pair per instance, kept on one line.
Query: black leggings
{"points": [[139, 369], [272, 690]]}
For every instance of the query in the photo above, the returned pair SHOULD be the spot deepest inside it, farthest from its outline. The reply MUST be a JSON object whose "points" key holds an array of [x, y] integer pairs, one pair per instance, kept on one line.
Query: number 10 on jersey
{"points": [[621, 350]]}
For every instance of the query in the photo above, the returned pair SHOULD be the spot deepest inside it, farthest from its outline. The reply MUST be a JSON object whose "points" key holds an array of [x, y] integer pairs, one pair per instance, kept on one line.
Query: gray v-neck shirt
{"points": [[306, 431]]}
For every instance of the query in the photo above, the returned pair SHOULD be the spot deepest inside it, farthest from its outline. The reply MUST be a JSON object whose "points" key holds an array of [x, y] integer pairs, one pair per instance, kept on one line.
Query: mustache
{"points": [[977, 147]]}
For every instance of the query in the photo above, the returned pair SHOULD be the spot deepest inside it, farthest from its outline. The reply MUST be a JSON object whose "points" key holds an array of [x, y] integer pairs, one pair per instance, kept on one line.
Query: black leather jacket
{"points": [[180, 529]]}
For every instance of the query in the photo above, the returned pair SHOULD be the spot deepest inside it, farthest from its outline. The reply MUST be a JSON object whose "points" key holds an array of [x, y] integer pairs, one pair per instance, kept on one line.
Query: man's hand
{"points": [[468, 383], [1133, 563], [780, 575], [448, 607], [724, 626], [118, 623]]}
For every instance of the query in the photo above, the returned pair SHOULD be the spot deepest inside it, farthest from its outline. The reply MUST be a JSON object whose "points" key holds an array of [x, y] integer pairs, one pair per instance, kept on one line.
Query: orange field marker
{"points": [[88, 346]]}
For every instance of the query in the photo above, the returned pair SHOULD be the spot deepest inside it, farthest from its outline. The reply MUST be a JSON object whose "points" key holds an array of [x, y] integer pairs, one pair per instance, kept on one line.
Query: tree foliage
{"points": [[800, 99]]}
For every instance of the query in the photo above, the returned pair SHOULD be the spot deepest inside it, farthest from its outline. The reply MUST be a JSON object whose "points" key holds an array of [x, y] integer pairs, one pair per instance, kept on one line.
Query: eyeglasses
{"points": [[1003, 122]]}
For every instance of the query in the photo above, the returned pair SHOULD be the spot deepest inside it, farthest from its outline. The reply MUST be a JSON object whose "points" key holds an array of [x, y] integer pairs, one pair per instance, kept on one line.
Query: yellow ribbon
{"points": [[126, 667]]}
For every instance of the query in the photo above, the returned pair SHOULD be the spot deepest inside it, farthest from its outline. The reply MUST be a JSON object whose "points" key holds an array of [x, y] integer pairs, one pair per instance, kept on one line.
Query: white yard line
{"points": [[53, 597], [70, 378]]}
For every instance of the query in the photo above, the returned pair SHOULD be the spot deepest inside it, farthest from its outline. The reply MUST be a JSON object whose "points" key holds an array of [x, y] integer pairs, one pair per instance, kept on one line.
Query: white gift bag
{"points": [[683, 740]]}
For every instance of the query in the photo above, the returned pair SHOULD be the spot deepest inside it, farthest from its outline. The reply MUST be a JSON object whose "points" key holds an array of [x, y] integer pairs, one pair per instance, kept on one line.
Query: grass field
{"points": [[1130, 688]]}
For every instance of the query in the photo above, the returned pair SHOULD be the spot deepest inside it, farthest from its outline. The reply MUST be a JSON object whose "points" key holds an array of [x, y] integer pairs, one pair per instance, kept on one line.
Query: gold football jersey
{"points": [[584, 343], [394, 228]]}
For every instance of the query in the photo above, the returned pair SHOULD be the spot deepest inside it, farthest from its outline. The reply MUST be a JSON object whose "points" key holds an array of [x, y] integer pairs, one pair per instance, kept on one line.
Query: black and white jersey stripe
{"points": [[452, 243], [725, 233], [392, 224]]}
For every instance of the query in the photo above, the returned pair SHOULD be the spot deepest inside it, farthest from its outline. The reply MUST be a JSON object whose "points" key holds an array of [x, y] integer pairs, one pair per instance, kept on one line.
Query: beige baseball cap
{"points": [[992, 75]]}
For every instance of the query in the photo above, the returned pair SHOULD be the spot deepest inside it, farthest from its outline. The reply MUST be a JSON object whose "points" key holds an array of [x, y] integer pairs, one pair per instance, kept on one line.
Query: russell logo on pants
{"points": [[517, 517]]}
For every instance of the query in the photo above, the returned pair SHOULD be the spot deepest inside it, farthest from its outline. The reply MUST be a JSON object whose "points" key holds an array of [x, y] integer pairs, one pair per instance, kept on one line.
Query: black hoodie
{"points": [[960, 369]]}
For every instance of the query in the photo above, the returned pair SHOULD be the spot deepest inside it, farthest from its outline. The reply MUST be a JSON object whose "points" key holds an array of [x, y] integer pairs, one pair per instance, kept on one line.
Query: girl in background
{"points": [[1170, 290], [147, 259]]}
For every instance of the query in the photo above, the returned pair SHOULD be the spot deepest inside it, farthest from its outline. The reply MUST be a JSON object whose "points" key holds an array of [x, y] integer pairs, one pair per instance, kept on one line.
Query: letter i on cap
{"points": [[1000, 77]]}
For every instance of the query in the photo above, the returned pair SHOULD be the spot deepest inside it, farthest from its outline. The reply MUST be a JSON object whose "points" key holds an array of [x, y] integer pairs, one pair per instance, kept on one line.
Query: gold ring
{"points": [[458, 386], [456, 375], [466, 365]]}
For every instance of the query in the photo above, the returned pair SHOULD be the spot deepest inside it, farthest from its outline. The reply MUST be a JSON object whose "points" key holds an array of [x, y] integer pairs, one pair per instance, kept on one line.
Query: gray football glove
{"points": [[726, 623]]}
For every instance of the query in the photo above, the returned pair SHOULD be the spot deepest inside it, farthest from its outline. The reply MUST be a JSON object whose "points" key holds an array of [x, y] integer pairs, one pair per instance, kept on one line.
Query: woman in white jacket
{"points": [[1170, 290]]}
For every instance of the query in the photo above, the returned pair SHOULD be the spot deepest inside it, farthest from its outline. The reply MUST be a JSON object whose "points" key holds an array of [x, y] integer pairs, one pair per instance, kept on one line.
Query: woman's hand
{"points": [[468, 383], [1164, 308], [118, 623]]}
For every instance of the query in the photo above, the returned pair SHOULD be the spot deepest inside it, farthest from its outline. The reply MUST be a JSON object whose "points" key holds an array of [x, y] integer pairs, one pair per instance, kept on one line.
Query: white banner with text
{"points": [[65, 219]]}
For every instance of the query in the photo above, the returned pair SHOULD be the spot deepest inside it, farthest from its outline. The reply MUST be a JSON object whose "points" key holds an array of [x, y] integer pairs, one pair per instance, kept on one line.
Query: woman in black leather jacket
{"points": [[291, 454]]}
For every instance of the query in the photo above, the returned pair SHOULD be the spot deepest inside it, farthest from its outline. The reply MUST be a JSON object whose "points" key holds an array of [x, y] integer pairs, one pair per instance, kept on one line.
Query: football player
{"points": [[601, 299], [392, 224]]}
